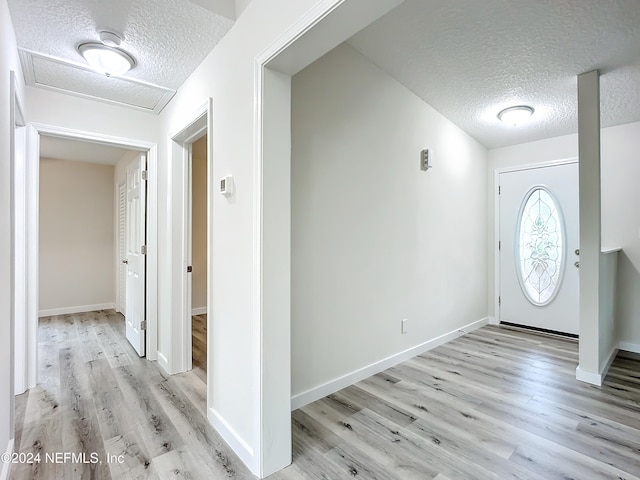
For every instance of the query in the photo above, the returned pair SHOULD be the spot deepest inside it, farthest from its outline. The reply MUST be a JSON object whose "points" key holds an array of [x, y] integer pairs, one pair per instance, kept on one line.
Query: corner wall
{"points": [[234, 401], [620, 210], [374, 239]]}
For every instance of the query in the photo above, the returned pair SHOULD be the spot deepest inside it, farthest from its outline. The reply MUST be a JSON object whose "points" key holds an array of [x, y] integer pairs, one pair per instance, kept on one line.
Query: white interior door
{"points": [[135, 261], [539, 241]]}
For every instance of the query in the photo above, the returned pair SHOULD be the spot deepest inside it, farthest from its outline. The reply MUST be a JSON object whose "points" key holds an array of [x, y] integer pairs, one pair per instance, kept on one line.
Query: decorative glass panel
{"points": [[540, 248]]}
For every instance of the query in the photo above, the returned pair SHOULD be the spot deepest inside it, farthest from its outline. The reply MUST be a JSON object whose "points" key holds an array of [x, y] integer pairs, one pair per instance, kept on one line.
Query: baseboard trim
{"points": [[6, 466], [199, 311], [588, 377], [316, 393], [605, 368], [234, 440], [163, 362], [493, 321], [78, 309], [629, 347]]}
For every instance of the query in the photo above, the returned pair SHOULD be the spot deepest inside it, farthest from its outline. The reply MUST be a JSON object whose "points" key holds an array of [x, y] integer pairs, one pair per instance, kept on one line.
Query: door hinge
{"points": [[499, 300], [499, 187], [143, 325], [499, 245], [145, 174], [189, 269], [143, 249]]}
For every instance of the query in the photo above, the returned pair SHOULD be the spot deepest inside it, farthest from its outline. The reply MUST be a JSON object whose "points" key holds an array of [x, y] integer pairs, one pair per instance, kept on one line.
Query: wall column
{"points": [[590, 225]]}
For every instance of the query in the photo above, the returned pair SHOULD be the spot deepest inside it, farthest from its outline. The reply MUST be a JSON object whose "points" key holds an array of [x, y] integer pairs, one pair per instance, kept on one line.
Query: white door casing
{"points": [[136, 258], [539, 282], [181, 142]]}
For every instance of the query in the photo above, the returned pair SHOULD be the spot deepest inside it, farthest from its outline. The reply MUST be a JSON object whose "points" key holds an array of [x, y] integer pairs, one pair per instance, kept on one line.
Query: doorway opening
{"points": [[198, 221], [36, 133], [191, 181], [80, 251]]}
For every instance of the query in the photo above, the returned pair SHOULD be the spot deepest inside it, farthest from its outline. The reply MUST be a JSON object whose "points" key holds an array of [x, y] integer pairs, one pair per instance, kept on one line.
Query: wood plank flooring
{"points": [[199, 345], [497, 403], [95, 395]]}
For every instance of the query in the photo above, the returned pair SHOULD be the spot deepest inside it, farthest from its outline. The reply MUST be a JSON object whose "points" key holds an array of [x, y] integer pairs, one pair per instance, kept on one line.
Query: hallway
{"points": [[95, 395]]}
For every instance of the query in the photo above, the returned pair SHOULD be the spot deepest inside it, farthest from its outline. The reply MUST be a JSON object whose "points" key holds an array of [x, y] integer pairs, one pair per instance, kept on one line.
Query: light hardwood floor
{"points": [[497, 403], [95, 395], [199, 345]]}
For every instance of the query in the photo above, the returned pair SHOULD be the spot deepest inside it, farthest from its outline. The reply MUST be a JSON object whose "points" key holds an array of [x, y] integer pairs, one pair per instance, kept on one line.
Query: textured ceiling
{"points": [[471, 58], [79, 151], [168, 38]]}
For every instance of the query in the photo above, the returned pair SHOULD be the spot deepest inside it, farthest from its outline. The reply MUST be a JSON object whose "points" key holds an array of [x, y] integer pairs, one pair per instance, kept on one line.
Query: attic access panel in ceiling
{"points": [[167, 38], [53, 74]]}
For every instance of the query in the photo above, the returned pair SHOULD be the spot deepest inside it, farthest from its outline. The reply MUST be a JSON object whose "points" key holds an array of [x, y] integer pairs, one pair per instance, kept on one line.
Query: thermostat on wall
{"points": [[425, 159], [226, 185]]}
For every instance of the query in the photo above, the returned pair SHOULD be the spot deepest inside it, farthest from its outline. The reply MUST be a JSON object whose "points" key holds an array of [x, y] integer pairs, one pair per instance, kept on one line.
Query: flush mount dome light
{"points": [[106, 59], [514, 116]]}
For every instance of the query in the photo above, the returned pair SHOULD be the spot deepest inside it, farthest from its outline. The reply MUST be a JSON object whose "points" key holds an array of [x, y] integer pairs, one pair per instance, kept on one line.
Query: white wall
{"points": [[8, 61], [62, 110], [199, 224], [77, 262], [226, 75], [375, 239], [620, 209]]}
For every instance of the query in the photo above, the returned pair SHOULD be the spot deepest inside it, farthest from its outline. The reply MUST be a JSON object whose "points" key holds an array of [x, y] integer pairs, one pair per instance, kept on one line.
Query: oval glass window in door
{"points": [[540, 246]]}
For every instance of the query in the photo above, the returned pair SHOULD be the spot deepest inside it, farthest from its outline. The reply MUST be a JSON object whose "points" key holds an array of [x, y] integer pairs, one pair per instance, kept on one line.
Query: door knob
{"points": [[577, 264], [577, 251], [125, 261]]}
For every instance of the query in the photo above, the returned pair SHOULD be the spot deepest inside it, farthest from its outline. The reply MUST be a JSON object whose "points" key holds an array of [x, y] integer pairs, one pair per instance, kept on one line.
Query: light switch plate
{"points": [[226, 186]]}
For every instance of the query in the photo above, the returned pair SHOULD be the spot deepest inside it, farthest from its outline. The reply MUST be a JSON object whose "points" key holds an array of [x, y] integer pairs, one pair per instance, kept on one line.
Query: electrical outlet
{"points": [[403, 325]]}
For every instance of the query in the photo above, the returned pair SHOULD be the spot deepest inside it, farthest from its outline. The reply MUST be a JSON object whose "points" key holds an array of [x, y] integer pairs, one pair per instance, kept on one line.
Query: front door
{"points": [[538, 242], [135, 255]]}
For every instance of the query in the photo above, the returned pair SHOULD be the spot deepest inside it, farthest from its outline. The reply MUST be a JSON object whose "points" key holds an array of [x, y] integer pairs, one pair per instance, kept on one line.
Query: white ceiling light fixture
{"points": [[514, 116], [106, 57]]}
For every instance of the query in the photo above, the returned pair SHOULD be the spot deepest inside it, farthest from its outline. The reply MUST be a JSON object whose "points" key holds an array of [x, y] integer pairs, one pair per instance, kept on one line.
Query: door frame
{"points": [[496, 209], [20, 289], [32, 239], [181, 139]]}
